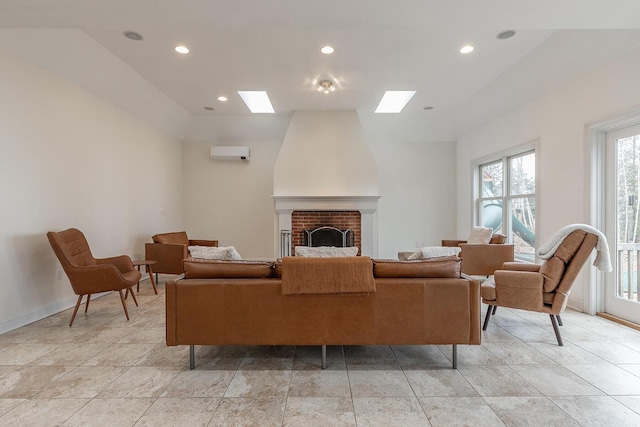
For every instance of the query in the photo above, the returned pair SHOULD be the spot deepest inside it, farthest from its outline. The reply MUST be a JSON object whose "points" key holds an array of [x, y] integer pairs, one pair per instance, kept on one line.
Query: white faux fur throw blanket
{"points": [[603, 258]]}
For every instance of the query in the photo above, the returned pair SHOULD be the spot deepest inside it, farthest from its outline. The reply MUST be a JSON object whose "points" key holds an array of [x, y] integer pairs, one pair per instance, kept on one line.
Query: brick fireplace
{"points": [[309, 220], [343, 209]]}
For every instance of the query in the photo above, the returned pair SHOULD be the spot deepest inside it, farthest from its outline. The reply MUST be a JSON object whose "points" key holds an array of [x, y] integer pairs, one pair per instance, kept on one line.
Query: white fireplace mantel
{"points": [[366, 205]]}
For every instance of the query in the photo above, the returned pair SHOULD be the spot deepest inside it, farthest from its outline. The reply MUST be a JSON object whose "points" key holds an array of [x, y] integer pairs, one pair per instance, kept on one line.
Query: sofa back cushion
{"points": [[498, 239], [553, 269], [435, 267], [218, 269], [175, 238]]}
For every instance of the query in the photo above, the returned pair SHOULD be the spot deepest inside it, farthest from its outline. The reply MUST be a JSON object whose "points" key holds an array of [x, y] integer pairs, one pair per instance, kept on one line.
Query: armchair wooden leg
{"points": [[73, 316], [124, 304], [559, 320], [486, 319], [556, 330], [86, 305], [133, 295]]}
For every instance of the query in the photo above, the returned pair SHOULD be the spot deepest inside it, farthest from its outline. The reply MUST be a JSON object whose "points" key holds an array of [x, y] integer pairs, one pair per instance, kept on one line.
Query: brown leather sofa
{"points": [[169, 249], [244, 303]]}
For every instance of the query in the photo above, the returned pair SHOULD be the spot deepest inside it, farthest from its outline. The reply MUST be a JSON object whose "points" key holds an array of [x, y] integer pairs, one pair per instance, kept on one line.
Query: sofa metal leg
{"points": [[454, 356], [192, 357], [486, 319], [495, 307], [324, 357], [556, 330], [559, 320]]}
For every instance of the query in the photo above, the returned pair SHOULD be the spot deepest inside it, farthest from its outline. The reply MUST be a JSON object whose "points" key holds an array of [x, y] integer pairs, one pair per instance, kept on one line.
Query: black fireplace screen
{"points": [[328, 236]]}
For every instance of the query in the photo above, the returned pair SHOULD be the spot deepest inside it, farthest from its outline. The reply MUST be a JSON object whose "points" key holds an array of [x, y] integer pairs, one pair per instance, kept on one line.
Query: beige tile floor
{"points": [[108, 371]]}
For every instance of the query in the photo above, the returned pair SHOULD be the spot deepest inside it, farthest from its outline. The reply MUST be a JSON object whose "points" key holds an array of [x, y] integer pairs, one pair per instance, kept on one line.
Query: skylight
{"points": [[257, 101], [394, 101]]}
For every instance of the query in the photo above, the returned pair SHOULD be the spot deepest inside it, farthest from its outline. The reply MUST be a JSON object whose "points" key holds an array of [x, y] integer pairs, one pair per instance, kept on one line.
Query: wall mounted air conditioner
{"points": [[229, 153]]}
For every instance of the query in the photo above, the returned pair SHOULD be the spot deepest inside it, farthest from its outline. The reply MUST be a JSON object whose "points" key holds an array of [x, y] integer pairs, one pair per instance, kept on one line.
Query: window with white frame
{"points": [[506, 200]]}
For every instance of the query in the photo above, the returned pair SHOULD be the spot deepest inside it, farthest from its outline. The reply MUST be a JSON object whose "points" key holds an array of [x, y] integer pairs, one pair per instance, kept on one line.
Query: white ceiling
{"points": [[380, 45]]}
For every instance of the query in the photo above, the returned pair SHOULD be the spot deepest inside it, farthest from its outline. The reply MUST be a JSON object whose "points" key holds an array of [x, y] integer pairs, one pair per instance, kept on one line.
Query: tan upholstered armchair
{"points": [[483, 260], [543, 288], [169, 249], [89, 275]]}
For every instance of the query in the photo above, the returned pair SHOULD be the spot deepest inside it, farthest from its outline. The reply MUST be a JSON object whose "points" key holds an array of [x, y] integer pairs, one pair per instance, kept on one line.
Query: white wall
{"points": [[69, 159], [559, 120], [417, 185], [231, 201]]}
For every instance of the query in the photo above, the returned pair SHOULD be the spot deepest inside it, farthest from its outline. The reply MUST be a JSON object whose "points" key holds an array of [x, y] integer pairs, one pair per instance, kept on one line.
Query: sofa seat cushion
{"points": [[176, 238], [548, 297], [224, 269], [488, 289], [435, 267]]}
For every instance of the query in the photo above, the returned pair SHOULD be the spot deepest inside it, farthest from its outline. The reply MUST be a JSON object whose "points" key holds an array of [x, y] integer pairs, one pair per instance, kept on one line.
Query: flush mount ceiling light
{"points": [[467, 49], [133, 35], [222, 98], [394, 101], [257, 101], [507, 34], [182, 49], [327, 50], [326, 86]]}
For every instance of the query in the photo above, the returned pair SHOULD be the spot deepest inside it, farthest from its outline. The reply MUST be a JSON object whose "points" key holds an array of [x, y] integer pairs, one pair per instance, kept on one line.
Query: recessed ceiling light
{"points": [[327, 50], [133, 35], [428, 108], [507, 34], [222, 98], [182, 49], [257, 101], [209, 108], [467, 49], [394, 101]]}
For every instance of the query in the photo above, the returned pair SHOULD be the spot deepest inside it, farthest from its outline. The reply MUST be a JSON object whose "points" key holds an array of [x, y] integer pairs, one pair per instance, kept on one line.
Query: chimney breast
{"points": [[324, 154]]}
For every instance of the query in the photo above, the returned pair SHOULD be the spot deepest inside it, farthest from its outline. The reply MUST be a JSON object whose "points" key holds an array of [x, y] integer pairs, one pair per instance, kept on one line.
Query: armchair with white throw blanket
{"points": [[545, 288]]}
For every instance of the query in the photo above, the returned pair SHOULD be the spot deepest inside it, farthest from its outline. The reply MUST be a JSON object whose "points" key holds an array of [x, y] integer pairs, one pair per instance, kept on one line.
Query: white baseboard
{"points": [[576, 304], [42, 312]]}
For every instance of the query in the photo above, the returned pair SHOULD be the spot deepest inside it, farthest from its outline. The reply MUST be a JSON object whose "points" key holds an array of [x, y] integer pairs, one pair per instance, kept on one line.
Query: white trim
{"points": [[595, 136], [42, 312]]}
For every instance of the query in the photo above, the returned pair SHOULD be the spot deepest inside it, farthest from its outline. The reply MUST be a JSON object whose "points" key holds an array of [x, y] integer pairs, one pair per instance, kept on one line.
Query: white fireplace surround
{"points": [[366, 205]]}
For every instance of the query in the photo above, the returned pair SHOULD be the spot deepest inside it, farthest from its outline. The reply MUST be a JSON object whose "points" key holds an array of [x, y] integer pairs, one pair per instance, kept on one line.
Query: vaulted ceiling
{"points": [[275, 46]]}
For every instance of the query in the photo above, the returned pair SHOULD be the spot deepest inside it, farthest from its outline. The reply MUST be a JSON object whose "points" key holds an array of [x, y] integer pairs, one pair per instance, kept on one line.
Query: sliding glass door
{"points": [[623, 222]]}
